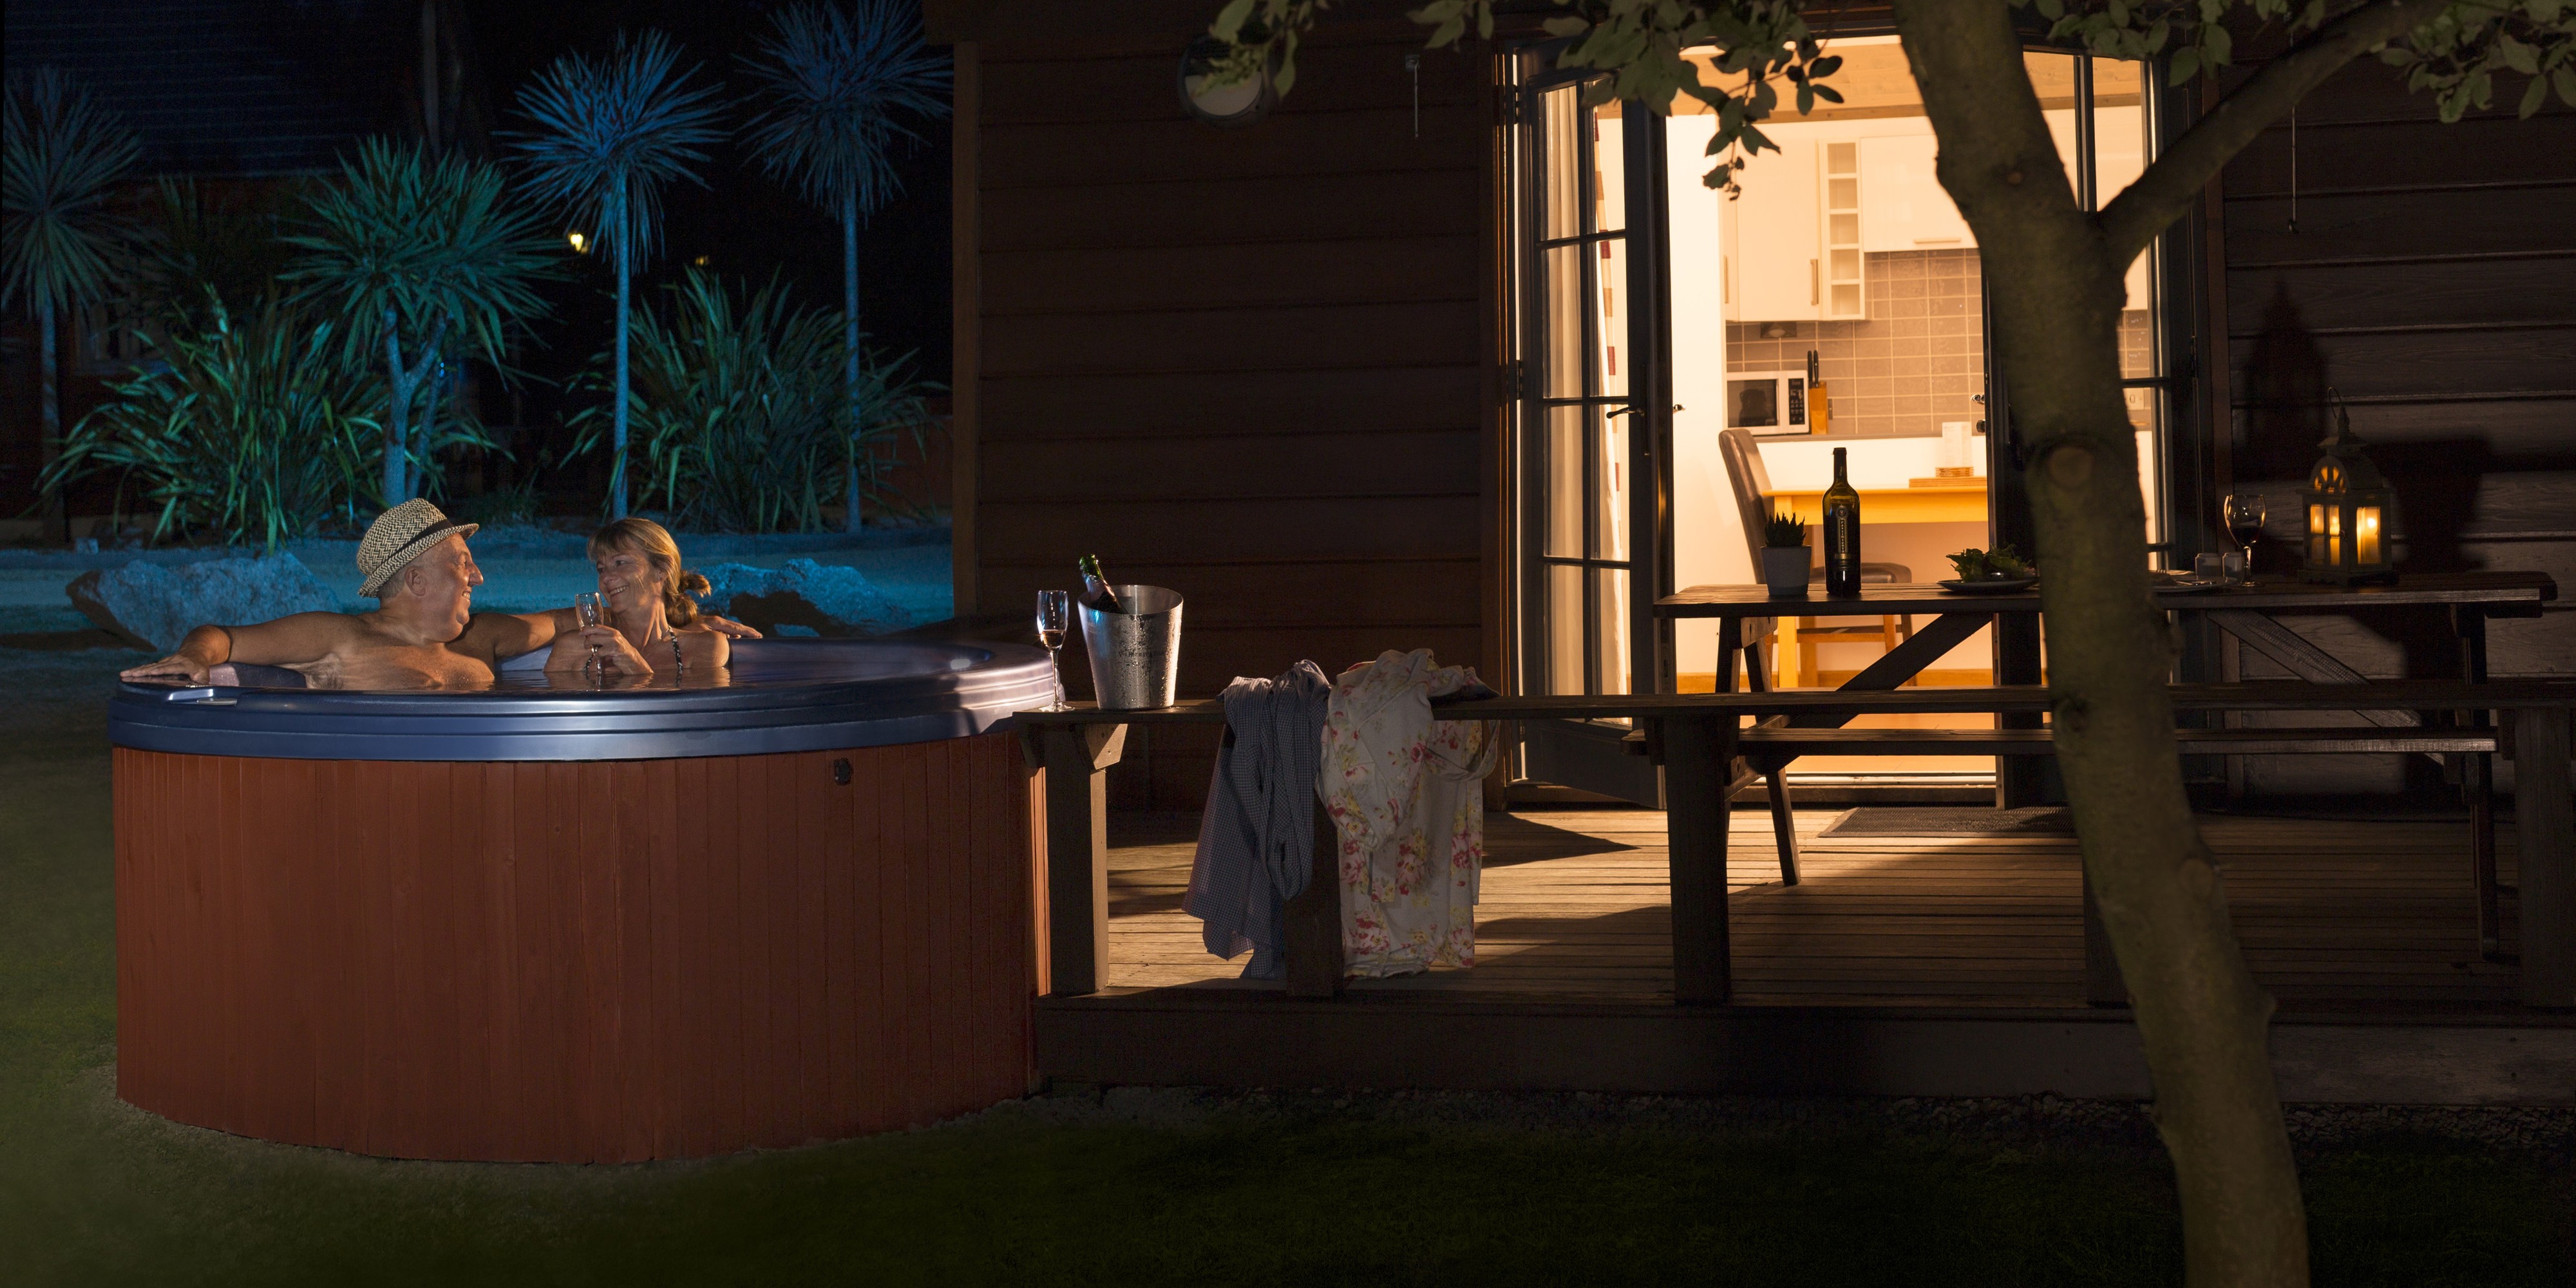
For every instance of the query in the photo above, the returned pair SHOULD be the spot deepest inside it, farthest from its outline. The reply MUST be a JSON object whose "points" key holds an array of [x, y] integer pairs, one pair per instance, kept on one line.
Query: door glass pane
{"points": [[1565, 628], [1610, 627], [1610, 504], [1565, 482], [1609, 182], [1564, 323], [1563, 204], [1611, 298]]}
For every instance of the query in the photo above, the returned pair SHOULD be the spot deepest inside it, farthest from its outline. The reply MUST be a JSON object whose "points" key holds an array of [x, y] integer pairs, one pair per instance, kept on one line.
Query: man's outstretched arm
{"points": [[288, 641]]}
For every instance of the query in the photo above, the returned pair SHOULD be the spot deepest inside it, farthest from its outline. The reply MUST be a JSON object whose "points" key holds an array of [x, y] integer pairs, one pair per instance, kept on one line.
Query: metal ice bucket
{"points": [[1135, 655]]}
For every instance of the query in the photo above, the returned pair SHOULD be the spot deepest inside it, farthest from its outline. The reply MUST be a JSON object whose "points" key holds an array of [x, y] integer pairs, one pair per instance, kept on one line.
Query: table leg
{"points": [[2544, 812], [1077, 759], [2102, 983], [1784, 820], [1697, 751], [2477, 785], [1314, 947], [2019, 780]]}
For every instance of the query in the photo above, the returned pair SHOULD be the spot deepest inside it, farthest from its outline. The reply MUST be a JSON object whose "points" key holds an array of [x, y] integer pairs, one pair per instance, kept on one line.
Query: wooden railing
{"points": [[1697, 738]]}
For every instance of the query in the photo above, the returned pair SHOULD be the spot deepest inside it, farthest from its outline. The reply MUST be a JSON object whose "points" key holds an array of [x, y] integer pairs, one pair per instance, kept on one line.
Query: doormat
{"points": [[1889, 820]]}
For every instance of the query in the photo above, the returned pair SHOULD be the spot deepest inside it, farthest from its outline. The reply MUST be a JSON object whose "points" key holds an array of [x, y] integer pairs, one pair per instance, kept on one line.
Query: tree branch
{"points": [[2160, 195]]}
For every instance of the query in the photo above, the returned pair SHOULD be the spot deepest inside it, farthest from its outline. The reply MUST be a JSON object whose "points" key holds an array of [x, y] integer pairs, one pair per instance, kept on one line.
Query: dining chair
{"points": [[1752, 486]]}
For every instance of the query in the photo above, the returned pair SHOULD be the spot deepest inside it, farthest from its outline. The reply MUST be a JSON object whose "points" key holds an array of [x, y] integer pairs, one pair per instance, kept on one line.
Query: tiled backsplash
{"points": [[1919, 360]]}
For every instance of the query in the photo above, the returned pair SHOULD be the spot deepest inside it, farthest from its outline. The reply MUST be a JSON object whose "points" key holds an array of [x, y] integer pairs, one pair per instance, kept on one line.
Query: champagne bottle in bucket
{"points": [[1096, 594]]}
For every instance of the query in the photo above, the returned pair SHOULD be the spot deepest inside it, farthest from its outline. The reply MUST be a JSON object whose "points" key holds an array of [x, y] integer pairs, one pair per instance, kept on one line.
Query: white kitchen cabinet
{"points": [[1773, 253], [1907, 208]]}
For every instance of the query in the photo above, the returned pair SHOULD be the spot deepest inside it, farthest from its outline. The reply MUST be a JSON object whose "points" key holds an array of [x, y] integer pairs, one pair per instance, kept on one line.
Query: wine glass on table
{"points": [[2244, 524], [1055, 610], [592, 611]]}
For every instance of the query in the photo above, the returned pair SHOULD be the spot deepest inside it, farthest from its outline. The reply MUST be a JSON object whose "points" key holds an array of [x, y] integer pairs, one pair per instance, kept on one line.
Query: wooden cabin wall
{"points": [[2431, 283], [1253, 365]]}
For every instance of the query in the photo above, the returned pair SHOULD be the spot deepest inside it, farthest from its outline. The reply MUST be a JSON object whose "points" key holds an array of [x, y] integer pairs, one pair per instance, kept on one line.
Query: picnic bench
{"points": [[1698, 738]]}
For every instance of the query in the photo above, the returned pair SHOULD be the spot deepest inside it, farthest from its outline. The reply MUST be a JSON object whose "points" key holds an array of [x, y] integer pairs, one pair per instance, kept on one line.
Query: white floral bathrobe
{"points": [[1407, 794]]}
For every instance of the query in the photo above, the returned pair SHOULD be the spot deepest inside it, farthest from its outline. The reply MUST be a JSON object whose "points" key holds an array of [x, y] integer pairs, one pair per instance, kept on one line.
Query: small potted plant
{"points": [[1786, 561]]}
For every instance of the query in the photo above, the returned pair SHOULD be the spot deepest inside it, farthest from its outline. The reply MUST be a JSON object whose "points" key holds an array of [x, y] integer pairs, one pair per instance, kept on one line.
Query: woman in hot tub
{"points": [[654, 626]]}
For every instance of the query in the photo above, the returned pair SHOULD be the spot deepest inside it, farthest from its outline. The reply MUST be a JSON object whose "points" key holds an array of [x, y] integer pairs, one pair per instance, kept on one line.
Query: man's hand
{"points": [[176, 668], [728, 626]]}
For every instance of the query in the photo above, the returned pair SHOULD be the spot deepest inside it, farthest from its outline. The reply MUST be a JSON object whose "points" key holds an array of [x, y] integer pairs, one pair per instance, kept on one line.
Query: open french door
{"points": [[1593, 413]]}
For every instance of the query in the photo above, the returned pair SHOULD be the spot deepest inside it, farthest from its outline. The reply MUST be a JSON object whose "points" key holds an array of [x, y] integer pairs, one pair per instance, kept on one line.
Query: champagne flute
{"points": [[591, 610], [2245, 523], [1055, 610]]}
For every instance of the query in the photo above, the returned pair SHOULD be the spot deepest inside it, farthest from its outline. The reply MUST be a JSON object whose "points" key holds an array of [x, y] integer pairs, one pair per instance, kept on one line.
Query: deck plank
{"points": [[1575, 904]]}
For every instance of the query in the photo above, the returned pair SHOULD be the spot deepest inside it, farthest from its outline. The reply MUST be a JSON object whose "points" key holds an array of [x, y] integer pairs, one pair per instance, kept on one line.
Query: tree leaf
{"points": [[2533, 96], [2565, 79], [1229, 20], [2185, 66]]}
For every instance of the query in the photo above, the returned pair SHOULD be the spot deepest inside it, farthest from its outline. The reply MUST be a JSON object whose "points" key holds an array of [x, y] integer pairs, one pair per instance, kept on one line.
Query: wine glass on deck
{"points": [[592, 611], [2244, 524], [1055, 610]]}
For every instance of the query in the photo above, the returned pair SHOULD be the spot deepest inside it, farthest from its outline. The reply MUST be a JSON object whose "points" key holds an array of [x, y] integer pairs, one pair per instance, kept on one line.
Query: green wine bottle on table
{"points": [[1842, 532]]}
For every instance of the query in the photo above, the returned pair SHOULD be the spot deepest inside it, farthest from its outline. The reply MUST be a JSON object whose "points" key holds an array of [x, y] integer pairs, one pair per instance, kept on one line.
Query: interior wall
{"points": [[1254, 365]]}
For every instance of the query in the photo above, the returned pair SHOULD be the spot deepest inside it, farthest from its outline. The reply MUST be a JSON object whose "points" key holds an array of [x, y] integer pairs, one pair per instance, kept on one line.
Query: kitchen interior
{"points": [[1835, 301]]}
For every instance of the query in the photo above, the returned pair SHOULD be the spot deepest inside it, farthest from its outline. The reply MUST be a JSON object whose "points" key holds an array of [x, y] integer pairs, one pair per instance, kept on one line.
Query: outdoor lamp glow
{"points": [[1239, 103], [580, 242], [2351, 513]]}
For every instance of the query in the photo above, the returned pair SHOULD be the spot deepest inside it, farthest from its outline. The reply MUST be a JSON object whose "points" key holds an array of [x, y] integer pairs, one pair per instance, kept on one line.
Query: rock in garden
{"points": [[826, 600], [154, 606]]}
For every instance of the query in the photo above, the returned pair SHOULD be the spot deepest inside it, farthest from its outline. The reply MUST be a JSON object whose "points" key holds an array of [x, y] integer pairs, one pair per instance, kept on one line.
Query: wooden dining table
{"points": [[2250, 613]]}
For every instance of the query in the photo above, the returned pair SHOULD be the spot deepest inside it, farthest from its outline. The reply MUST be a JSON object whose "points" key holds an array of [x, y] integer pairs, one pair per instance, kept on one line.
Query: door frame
{"points": [[1590, 756]]}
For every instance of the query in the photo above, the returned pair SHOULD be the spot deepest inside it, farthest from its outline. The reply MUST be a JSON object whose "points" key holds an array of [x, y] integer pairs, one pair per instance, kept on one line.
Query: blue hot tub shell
{"points": [[778, 696]]}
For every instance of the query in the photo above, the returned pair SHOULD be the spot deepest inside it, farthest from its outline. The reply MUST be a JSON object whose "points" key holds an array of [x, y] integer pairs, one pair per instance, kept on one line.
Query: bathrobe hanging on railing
{"points": [[1257, 839], [1407, 794]]}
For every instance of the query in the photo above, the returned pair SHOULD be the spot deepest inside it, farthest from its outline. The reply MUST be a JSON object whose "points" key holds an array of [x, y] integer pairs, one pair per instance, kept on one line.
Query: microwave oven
{"points": [[1768, 403]]}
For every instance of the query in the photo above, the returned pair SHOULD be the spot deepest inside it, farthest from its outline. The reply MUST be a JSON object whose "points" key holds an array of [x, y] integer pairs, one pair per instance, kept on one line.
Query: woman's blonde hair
{"points": [[653, 541]]}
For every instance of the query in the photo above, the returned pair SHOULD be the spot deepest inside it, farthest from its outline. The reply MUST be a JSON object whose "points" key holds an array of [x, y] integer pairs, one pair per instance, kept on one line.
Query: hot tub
{"points": [[541, 922]]}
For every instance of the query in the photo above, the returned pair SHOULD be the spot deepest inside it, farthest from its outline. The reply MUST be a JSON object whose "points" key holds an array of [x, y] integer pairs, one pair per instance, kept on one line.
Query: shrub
{"points": [[738, 410], [254, 428]]}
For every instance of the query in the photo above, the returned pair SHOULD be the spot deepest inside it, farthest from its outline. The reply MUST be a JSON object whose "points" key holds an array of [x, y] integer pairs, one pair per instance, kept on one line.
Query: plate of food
{"points": [[1990, 572]]}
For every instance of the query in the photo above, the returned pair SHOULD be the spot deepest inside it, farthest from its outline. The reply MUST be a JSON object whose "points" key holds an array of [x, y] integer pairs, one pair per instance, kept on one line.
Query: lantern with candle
{"points": [[2351, 514]]}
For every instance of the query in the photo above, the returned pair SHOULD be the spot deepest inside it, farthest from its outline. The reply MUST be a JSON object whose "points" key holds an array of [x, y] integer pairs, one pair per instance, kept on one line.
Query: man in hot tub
{"points": [[423, 634]]}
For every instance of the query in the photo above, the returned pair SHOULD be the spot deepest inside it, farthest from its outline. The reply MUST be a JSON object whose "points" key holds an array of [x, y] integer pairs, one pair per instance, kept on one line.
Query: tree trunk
{"points": [[850, 357], [617, 466], [2056, 298], [397, 420], [49, 393]]}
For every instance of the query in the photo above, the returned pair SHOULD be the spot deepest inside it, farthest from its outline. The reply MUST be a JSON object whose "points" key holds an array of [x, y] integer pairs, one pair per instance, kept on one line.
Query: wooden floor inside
{"points": [[2338, 916]]}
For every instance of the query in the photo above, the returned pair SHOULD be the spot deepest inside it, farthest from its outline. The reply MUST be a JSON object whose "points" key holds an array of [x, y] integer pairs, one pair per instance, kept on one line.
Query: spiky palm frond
{"points": [[610, 132], [60, 154], [421, 240], [839, 83], [221, 244]]}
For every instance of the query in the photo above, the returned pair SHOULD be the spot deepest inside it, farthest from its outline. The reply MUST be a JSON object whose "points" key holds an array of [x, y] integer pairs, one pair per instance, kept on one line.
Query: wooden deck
{"points": [[1900, 965], [2332, 915]]}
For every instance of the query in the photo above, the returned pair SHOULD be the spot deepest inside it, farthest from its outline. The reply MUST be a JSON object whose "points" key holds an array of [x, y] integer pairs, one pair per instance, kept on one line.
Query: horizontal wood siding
{"points": [[2429, 284], [1251, 364], [581, 962]]}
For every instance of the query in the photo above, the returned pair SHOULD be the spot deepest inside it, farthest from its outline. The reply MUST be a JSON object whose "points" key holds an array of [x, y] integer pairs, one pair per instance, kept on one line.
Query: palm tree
{"points": [[608, 135], [416, 251], [60, 246], [838, 84]]}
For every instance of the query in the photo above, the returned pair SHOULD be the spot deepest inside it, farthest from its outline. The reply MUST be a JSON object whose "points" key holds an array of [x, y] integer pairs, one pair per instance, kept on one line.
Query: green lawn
{"points": [[1286, 1191]]}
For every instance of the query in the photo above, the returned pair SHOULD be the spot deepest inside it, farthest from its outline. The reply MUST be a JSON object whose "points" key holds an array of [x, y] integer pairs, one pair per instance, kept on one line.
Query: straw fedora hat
{"points": [[398, 536]]}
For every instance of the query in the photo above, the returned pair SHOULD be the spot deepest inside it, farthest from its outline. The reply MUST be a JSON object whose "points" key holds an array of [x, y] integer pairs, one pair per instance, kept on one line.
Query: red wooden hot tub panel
{"points": [[582, 962]]}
